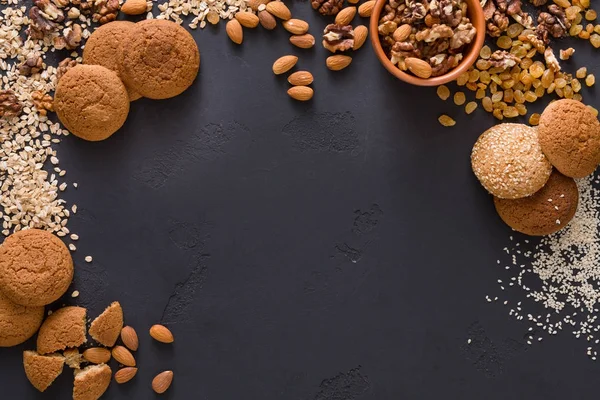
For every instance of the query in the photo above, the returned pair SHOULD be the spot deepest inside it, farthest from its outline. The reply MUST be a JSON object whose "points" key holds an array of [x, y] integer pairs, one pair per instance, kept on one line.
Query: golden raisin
{"points": [[576, 85], [521, 108], [470, 107], [595, 40], [446, 120], [530, 97], [508, 95], [459, 98], [504, 42], [462, 79], [575, 29], [590, 15], [534, 119], [581, 72], [519, 96], [593, 110], [590, 80], [498, 114], [486, 102], [510, 112], [443, 92], [480, 94], [547, 78], [485, 52], [537, 69]]}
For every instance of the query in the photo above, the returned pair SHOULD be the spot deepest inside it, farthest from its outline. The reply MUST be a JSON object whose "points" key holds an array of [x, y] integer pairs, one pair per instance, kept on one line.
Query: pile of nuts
{"points": [[519, 66], [426, 38]]}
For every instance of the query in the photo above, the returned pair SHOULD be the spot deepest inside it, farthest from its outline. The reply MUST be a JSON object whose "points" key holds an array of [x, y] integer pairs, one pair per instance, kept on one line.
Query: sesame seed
{"points": [[88, 259], [75, 293]]}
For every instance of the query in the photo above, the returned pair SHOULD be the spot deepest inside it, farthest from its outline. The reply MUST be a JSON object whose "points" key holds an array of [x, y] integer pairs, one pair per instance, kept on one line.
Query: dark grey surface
{"points": [[335, 250]]}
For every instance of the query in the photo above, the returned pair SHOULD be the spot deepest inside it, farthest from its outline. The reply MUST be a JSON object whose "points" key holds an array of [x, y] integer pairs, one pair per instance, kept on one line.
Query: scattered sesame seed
{"points": [[75, 293], [88, 259]]}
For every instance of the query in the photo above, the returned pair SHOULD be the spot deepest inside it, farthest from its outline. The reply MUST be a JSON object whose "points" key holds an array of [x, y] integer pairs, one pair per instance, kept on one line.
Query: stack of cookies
{"points": [[36, 269], [124, 61], [514, 163]]}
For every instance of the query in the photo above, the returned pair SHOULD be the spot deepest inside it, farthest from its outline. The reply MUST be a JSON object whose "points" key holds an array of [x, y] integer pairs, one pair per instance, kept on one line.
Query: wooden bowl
{"points": [[475, 13]]}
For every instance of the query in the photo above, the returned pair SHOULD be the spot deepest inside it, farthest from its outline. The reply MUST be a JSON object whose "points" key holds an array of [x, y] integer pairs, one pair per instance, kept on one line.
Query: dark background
{"points": [[337, 249]]}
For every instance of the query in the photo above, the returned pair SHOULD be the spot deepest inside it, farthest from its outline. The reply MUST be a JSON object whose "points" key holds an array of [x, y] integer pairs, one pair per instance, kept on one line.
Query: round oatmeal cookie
{"points": [[508, 161], [91, 102], [103, 48], [547, 211], [64, 328], [18, 323], [160, 59], [36, 267], [569, 134]]}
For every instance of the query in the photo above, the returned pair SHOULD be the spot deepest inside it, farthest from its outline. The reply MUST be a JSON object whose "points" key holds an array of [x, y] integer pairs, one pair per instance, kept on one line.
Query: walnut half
{"points": [[338, 37]]}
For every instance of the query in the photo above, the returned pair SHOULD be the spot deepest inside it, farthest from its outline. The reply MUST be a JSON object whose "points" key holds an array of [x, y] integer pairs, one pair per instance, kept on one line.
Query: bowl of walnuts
{"points": [[427, 43]]}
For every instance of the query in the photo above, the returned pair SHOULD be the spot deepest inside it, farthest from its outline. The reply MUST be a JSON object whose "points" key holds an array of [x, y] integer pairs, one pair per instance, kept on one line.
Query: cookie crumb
{"points": [[88, 259]]}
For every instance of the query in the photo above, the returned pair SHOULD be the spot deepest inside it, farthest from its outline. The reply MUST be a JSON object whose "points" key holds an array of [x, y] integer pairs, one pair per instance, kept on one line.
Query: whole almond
{"points": [[402, 33], [345, 16], [247, 19], [296, 26], [253, 4], [234, 31], [162, 381], [161, 333], [305, 41], [134, 7], [360, 36], [123, 356], [366, 8], [284, 64], [279, 10], [338, 62], [300, 78], [97, 355], [267, 21], [125, 374], [420, 68], [129, 338], [300, 93]]}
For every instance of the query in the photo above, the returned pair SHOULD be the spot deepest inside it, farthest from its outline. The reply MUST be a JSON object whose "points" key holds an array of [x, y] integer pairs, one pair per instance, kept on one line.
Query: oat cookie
{"points": [[547, 211], [91, 382], [569, 134], [508, 161], [160, 59], [64, 328], [42, 370], [36, 267], [103, 47], [107, 327], [91, 102], [18, 323]]}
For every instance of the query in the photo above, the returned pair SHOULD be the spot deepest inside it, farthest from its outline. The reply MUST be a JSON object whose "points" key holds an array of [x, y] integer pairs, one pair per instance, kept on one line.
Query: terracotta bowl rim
{"points": [[478, 21]]}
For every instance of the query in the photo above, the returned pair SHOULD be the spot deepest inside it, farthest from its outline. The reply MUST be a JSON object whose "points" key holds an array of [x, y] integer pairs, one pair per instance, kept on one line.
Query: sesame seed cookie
{"points": [[36, 267], [569, 134], [91, 382], [18, 323], [107, 327], [508, 161], [547, 211], [91, 102], [42, 370], [103, 47], [160, 59], [64, 328]]}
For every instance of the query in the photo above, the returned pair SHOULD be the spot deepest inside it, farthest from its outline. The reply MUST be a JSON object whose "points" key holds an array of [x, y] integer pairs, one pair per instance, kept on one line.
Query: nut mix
{"points": [[518, 66], [436, 33]]}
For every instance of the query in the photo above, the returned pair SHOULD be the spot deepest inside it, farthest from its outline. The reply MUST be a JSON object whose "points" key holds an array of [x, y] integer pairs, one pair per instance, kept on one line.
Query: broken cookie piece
{"points": [[42, 370], [91, 382], [73, 358], [63, 329], [107, 327]]}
